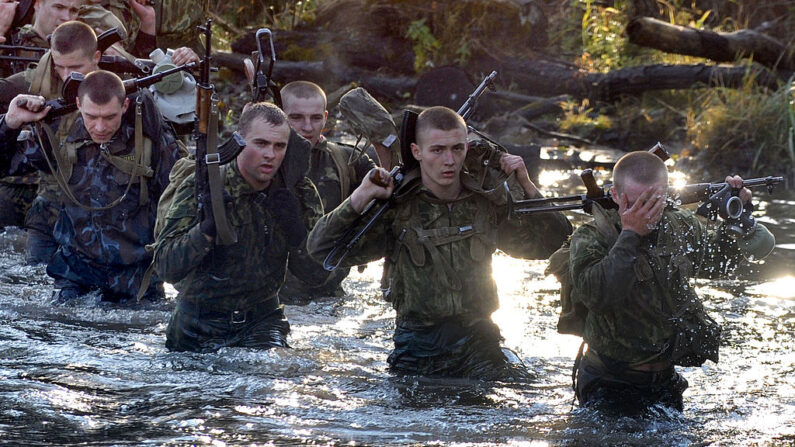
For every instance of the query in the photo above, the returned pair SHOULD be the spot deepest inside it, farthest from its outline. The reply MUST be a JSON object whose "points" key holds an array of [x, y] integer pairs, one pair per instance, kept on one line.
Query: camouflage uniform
{"points": [[324, 173], [641, 305], [177, 21], [25, 36], [106, 249], [228, 294], [437, 273]]}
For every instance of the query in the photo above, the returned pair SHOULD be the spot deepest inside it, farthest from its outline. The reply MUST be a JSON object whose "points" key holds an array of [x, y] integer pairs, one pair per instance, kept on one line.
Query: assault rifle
{"points": [[209, 157], [260, 79], [377, 208], [717, 199], [67, 103]]}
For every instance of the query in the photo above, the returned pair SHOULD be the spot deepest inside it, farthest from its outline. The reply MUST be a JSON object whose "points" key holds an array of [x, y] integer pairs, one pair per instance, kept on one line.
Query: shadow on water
{"points": [[100, 375]]}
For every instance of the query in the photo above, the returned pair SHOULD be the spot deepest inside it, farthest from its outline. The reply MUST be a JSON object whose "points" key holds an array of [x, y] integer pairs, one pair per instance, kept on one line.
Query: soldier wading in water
{"points": [[438, 239]]}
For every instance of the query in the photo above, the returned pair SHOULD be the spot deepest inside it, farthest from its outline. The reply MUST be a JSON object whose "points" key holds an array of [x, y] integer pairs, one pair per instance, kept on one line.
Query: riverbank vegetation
{"points": [[576, 57]]}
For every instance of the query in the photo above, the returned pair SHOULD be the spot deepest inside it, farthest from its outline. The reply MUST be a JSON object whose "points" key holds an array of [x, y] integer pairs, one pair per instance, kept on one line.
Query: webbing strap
{"points": [[226, 235]]}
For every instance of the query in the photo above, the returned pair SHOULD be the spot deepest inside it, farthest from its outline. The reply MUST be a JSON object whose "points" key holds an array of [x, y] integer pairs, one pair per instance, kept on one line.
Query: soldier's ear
{"points": [[415, 151], [125, 105], [614, 195]]}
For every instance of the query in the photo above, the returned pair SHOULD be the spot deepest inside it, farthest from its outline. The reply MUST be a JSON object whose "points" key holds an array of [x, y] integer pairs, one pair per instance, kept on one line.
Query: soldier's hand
{"points": [[737, 182], [643, 215], [377, 184], [146, 13], [510, 163], [25, 109], [184, 55]]}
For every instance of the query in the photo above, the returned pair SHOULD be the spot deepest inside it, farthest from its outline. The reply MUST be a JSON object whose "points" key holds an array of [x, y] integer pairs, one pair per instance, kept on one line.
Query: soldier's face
{"points": [[76, 61], [306, 115], [51, 13], [266, 145], [633, 191], [102, 120], [441, 155]]}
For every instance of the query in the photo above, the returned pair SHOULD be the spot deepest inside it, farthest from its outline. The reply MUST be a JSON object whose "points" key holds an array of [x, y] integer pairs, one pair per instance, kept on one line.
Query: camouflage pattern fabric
{"points": [[26, 37], [106, 249], [369, 118], [240, 278], [637, 289], [438, 253], [15, 200], [177, 21], [453, 349], [324, 174], [626, 392]]}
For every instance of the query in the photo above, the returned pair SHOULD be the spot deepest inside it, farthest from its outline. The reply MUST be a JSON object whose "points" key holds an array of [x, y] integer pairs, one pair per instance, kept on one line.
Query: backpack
{"points": [[573, 313], [183, 167]]}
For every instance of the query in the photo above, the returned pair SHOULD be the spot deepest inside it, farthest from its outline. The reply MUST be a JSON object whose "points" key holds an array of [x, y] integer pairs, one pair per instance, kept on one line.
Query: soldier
{"points": [[438, 239], [228, 293], [74, 50], [329, 169], [631, 269], [113, 166]]}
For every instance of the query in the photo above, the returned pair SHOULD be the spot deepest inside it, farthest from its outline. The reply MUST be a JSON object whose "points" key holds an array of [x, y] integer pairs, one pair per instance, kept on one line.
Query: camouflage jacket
{"points": [[117, 236], [325, 175], [176, 22], [635, 286], [249, 271], [438, 253]]}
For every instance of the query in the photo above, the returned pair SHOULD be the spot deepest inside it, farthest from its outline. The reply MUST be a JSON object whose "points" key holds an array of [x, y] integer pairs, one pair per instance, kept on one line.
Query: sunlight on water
{"points": [[677, 179], [781, 288], [549, 178]]}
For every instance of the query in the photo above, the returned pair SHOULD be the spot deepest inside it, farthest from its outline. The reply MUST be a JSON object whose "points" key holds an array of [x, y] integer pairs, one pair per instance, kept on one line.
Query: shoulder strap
{"points": [[341, 162]]}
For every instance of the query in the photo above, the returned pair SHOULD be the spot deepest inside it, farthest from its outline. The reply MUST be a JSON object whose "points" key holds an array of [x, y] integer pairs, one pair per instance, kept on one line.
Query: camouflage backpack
{"points": [[573, 313]]}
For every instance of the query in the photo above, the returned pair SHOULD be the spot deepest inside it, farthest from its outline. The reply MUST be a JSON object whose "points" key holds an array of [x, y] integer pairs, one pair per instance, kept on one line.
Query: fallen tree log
{"points": [[544, 78], [720, 47], [530, 77], [329, 76]]}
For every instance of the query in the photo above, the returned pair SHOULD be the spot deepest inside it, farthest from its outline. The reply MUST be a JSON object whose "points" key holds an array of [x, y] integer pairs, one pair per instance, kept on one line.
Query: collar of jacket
{"points": [[119, 142]]}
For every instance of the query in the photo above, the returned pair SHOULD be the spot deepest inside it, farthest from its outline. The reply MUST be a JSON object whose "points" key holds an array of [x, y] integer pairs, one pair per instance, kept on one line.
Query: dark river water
{"points": [[100, 375]]}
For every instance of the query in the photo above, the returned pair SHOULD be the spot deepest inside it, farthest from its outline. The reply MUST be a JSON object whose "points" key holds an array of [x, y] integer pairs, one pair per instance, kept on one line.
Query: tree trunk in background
{"points": [[720, 47]]}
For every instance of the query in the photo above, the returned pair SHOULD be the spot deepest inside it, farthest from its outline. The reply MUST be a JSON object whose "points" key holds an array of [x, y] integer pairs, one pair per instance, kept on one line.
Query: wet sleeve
{"points": [[535, 236], [343, 222], [300, 263], [8, 142], [144, 44], [180, 246], [603, 276]]}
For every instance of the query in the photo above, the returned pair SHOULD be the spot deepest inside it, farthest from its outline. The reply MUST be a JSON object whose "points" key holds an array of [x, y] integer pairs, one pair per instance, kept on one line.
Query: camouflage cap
{"points": [[369, 118]]}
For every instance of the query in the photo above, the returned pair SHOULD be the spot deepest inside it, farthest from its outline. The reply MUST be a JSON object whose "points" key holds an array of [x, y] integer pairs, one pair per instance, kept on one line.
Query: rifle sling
{"points": [[226, 235], [46, 137]]}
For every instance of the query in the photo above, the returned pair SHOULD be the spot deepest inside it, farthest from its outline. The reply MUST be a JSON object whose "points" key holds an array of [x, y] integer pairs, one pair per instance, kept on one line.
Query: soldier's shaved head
{"points": [[72, 36], [262, 111], [640, 167], [441, 118], [303, 89], [101, 86]]}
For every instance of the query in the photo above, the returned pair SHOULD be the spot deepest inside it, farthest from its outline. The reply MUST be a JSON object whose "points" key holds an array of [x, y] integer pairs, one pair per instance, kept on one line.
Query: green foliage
{"points": [[425, 44], [747, 130], [580, 118]]}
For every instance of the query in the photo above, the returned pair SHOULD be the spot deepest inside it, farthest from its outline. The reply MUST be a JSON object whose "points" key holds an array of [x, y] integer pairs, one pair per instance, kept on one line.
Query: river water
{"points": [[93, 374]]}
